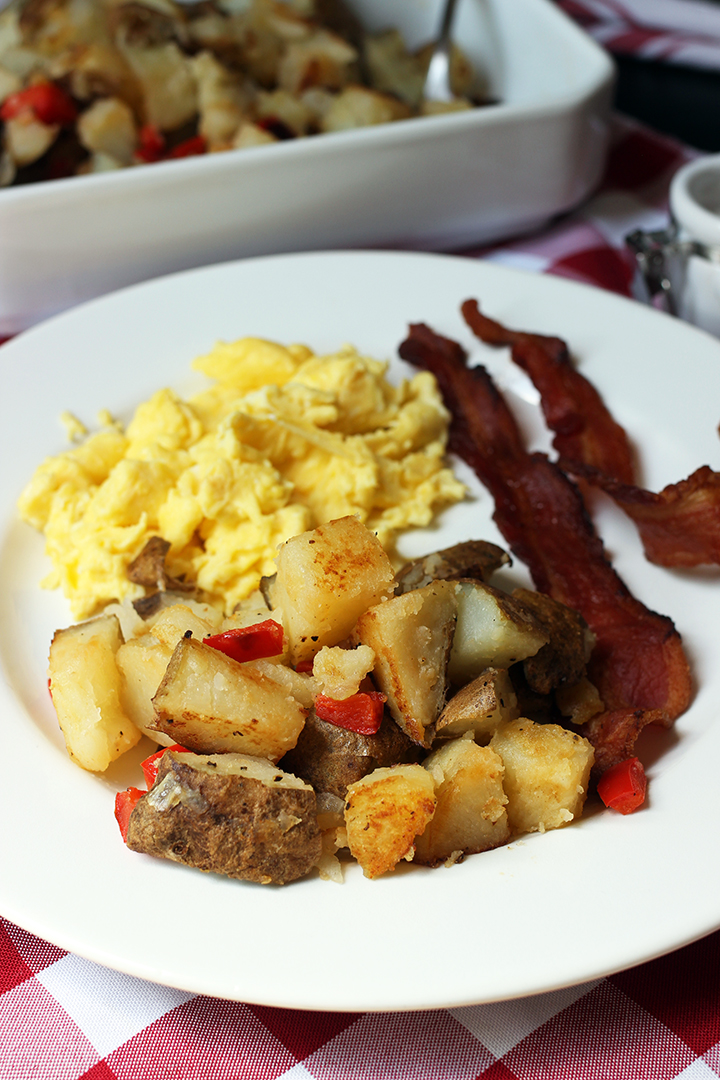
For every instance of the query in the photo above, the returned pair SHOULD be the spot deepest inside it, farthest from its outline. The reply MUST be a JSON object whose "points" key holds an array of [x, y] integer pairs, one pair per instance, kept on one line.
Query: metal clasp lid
{"points": [[661, 260]]}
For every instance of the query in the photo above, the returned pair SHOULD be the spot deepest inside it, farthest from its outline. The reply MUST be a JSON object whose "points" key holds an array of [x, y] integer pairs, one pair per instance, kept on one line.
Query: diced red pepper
{"points": [[151, 145], [622, 787], [125, 803], [49, 103], [151, 765], [250, 642], [361, 713], [304, 666], [189, 148]]}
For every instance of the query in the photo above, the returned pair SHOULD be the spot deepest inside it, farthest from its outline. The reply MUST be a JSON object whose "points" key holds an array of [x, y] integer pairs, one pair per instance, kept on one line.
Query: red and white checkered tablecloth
{"points": [[63, 1017], [683, 32]]}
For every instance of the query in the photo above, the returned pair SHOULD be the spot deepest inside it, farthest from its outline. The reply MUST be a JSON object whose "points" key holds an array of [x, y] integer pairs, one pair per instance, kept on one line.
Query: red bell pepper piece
{"points": [[151, 145], [250, 642], [622, 787], [50, 104], [189, 148], [361, 713], [125, 803], [151, 765], [304, 666]]}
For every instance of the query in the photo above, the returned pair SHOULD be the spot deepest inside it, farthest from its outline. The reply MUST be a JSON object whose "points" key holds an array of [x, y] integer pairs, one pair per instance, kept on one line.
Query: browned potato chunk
{"points": [[358, 106], [174, 622], [326, 579], [322, 59], [579, 702], [411, 636], [385, 812], [493, 630], [479, 707], [470, 814], [562, 661], [230, 814], [86, 687], [166, 77], [212, 704], [471, 559], [547, 770], [339, 672], [142, 663], [27, 138], [331, 758], [108, 127]]}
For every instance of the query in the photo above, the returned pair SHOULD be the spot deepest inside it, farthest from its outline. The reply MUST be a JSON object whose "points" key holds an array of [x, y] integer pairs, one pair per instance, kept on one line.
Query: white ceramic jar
{"points": [[695, 207]]}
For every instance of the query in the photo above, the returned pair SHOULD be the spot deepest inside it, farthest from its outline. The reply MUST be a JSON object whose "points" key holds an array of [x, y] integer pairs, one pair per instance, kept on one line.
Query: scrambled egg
{"points": [[282, 441]]}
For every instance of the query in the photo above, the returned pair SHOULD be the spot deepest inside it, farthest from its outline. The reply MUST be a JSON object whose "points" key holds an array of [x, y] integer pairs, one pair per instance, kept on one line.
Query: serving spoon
{"points": [[437, 81]]}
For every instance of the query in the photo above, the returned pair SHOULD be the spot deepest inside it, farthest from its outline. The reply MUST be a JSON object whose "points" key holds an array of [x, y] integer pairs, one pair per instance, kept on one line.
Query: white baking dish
{"points": [[437, 182]]}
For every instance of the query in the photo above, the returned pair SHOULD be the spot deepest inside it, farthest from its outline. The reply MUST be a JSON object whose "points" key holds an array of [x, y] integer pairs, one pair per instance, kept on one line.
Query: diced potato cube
{"points": [[326, 579], [579, 702], [167, 81], [86, 687], [339, 672], [249, 134], [142, 663], [357, 106], [384, 813], [470, 814], [175, 621], [547, 770], [411, 635], [212, 704], [493, 630], [108, 127], [479, 707], [562, 661], [473, 559], [229, 814], [324, 59], [27, 138]]}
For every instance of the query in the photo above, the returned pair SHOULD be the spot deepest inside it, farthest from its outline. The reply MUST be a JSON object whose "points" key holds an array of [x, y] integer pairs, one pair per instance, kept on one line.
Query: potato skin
{"points": [[330, 757], [233, 825], [562, 661], [470, 559]]}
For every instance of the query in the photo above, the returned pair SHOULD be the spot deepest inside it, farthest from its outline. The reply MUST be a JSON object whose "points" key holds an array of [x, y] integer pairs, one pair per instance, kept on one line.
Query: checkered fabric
{"points": [[63, 1018], [675, 31]]}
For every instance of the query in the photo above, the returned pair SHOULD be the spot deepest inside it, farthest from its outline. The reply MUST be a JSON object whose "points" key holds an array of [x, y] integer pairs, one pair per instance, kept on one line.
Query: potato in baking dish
{"points": [[90, 86]]}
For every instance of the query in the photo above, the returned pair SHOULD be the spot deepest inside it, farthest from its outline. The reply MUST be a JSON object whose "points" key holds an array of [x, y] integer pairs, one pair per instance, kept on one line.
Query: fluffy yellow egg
{"points": [[282, 440]]}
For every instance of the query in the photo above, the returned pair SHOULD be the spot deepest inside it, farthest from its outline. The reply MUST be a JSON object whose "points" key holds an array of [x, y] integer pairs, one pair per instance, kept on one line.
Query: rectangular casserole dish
{"points": [[439, 183]]}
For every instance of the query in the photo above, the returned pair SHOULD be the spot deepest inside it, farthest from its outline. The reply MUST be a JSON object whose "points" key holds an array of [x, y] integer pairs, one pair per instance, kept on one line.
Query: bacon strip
{"points": [[638, 663], [678, 526], [584, 429]]}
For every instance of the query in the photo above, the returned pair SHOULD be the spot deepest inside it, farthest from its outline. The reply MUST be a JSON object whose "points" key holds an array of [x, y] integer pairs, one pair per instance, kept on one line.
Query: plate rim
{"points": [[36, 334]]}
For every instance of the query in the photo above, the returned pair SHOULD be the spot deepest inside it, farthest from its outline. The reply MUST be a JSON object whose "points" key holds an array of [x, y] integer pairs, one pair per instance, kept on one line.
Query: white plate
{"points": [[546, 911]]}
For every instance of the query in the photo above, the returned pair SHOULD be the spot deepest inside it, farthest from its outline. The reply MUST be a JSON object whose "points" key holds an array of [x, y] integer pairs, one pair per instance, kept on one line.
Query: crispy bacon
{"points": [[678, 526], [638, 663], [614, 733], [584, 429]]}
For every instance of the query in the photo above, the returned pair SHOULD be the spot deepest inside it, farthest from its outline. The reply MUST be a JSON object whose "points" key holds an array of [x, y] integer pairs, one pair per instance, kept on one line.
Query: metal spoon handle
{"points": [[447, 21], [437, 82]]}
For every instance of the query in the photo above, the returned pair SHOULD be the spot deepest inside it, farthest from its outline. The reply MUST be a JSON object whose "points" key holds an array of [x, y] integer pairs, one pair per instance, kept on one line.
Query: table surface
{"points": [[63, 1017]]}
